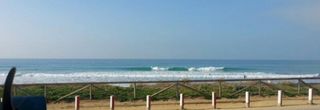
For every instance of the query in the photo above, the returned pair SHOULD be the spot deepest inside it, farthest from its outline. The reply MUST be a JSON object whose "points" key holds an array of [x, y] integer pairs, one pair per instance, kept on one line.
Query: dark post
{"points": [[177, 90], [90, 91], [259, 88], [220, 89], [45, 91], [14, 90], [299, 86], [134, 90]]}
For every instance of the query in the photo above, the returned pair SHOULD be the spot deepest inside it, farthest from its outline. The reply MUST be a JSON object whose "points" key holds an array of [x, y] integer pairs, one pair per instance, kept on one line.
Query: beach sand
{"points": [[258, 103]]}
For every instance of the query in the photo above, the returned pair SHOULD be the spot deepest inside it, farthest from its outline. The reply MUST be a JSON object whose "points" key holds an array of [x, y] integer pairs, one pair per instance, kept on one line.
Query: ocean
{"points": [[30, 71]]}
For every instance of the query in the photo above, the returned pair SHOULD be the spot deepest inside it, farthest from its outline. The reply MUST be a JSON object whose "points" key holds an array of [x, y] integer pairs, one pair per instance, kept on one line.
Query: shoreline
{"points": [[279, 80]]}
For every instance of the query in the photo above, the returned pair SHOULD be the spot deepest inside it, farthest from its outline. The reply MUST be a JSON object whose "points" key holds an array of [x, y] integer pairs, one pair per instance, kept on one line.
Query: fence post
{"points": [[14, 90], [181, 102], [259, 88], [111, 102], [247, 99], [299, 86], [77, 102], [177, 90], [148, 102], [134, 90], [45, 91], [220, 89], [310, 96], [214, 100], [279, 98], [90, 91]]}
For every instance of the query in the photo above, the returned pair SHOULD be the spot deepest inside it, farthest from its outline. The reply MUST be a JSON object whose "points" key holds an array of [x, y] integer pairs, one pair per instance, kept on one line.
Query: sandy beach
{"points": [[258, 103]]}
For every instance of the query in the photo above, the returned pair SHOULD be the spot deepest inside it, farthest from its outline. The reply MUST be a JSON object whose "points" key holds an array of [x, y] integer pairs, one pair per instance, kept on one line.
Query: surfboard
{"points": [[7, 103]]}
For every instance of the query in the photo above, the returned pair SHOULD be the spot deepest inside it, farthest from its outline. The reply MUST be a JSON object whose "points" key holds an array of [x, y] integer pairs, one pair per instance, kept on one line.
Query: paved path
{"points": [[267, 103], [299, 107]]}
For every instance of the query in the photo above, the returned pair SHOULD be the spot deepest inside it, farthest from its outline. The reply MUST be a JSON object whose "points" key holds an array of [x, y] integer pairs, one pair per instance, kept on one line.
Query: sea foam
{"points": [[31, 78], [204, 69], [156, 68]]}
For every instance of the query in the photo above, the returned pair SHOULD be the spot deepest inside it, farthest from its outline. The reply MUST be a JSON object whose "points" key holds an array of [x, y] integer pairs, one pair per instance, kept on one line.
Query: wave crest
{"points": [[157, 68], [205, 69]]}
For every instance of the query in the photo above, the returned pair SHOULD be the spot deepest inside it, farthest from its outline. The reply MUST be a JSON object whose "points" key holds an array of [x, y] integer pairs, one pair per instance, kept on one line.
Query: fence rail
{"points": [[177, 83]]}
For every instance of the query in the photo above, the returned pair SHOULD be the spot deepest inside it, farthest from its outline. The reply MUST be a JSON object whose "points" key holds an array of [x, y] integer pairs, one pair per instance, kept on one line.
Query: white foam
{"points": [[156, 68], [192, 69], [205, 69], [30, 78], [210, 68]]}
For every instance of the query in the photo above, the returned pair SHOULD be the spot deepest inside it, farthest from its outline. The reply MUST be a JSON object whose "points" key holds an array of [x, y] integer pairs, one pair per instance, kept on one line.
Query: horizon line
{"points": [[154, 59]]}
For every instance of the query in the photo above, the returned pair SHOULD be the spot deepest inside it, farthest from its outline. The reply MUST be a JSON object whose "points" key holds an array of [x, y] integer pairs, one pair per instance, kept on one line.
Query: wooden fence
{"points": [[181, 83]]}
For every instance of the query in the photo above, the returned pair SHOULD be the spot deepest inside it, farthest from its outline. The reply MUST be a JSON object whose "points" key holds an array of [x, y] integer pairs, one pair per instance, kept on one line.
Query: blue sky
{"points": [[160, 29]]}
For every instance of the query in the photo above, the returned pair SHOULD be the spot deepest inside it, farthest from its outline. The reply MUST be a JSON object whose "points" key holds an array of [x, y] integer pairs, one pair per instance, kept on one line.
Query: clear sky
{"points": [[160, 29]]}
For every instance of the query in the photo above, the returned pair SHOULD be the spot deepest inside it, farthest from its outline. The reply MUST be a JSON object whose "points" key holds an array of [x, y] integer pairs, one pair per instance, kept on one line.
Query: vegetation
{"points": [[125, 93]]}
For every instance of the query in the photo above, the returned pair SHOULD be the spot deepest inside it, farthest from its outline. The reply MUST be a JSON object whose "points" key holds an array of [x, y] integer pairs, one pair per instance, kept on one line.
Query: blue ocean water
{"points": [[110, 70]]}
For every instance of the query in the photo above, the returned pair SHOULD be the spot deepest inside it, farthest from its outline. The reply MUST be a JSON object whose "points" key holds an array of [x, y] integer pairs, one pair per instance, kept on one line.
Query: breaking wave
{"points": [[157, 68], [31, 78]]}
